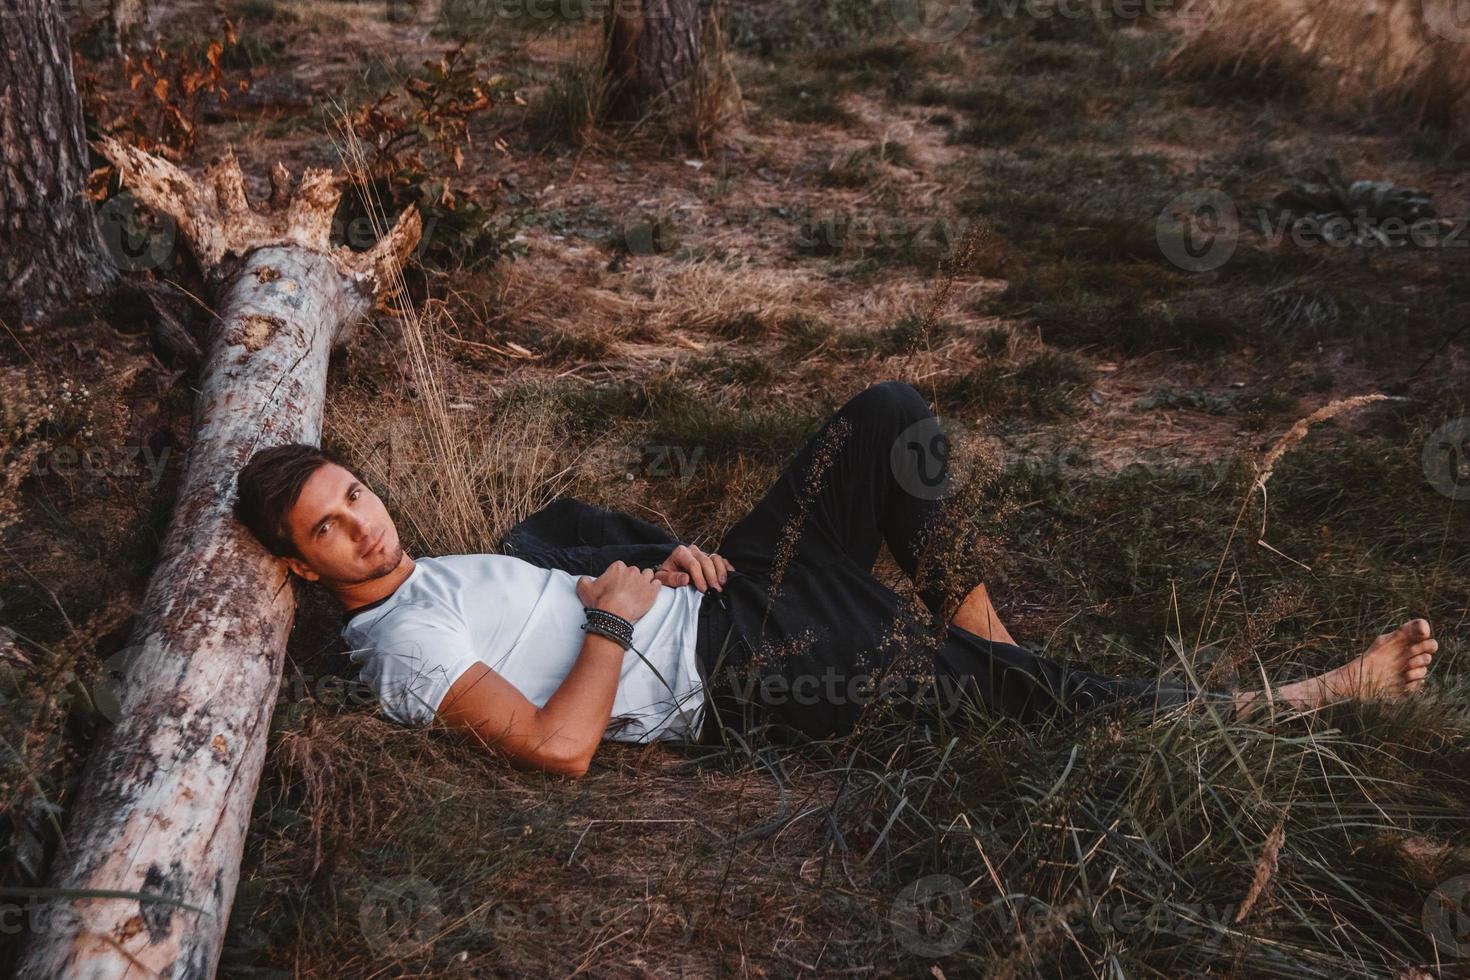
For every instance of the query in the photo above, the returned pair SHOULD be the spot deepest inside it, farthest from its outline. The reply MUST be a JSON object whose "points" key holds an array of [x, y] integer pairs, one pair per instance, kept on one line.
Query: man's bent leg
{"points": [[873, 473]]}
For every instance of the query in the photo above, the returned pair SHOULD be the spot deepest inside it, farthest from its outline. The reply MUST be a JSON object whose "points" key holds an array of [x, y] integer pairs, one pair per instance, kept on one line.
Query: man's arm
{"points": [[562, 735]]}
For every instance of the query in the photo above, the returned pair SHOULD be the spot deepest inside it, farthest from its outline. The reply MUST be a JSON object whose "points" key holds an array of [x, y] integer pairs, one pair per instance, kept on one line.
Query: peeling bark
{"points": [[165, 799]]}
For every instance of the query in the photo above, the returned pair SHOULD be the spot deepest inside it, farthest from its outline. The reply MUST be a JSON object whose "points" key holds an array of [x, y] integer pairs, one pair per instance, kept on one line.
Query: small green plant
{"points": [[576, 103], [814, 98], [860, 168]]}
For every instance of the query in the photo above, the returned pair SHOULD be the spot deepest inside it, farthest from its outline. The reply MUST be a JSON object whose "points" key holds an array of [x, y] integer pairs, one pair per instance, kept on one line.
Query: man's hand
{"points": [[690, 566], [622, 590]]}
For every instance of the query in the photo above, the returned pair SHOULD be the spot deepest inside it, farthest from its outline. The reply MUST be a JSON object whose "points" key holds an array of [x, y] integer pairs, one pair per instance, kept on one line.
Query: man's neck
{"points": [[360, 594]]}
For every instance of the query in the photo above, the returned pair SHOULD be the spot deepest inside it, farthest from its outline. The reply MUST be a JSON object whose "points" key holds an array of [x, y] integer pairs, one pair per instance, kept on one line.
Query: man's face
{"points": [[342, 530]]}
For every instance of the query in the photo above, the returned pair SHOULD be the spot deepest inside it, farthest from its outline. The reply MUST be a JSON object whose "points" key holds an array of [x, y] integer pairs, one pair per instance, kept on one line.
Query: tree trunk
{"points": [[51, 254], [132, 27], [166, 796], [652, 46]]}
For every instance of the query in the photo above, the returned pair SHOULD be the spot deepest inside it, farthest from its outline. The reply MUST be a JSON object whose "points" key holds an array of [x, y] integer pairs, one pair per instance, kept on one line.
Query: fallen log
{"points": [[166, 795]]}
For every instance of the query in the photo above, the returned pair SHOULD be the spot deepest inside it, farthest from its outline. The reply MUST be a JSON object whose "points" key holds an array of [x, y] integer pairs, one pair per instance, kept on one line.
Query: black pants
{"points": [[804, 638]]}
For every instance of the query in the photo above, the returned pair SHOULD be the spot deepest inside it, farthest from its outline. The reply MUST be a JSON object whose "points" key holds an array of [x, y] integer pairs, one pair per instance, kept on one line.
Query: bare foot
{"points": [[1393, 667], [976, 615]]}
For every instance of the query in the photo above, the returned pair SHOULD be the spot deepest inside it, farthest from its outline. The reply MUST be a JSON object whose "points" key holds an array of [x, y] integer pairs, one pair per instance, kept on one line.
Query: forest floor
{"points": [[654, 328]]}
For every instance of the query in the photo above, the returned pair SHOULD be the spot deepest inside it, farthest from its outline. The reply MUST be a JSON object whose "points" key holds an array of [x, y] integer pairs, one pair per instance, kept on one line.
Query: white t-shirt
{"points": [[525, 623]]}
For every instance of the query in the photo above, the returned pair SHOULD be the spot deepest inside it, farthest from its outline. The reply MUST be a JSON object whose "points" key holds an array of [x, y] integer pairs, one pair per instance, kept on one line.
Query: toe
{"points": [[1417, 629], [1424, 648], [1416, 673]]}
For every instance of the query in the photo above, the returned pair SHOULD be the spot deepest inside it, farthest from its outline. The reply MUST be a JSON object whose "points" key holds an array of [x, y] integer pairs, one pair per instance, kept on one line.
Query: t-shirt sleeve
{"points": [[413, 663]]}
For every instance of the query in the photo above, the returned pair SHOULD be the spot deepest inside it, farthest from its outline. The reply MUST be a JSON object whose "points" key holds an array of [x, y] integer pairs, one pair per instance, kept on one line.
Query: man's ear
{"points": [[302, 569]]}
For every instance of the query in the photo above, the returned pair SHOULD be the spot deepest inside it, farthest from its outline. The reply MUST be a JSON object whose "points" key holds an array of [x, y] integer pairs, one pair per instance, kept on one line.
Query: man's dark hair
{"points": [[269, 486]]}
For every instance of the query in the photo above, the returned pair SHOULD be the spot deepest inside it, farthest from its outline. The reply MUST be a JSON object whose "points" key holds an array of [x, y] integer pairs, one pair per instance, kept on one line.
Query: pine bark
{"points": [[51, 254], [653, 46]]}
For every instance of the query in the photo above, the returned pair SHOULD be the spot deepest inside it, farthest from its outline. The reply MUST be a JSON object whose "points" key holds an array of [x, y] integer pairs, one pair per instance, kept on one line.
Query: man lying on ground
{"points": [[783, 625]]}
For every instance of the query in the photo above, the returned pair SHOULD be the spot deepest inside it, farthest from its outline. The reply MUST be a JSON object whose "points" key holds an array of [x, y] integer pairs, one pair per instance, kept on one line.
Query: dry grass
{"points": [[526, 876], [787, 863], [1400, 56], [668, 298], [714, 98], [457, 488]]}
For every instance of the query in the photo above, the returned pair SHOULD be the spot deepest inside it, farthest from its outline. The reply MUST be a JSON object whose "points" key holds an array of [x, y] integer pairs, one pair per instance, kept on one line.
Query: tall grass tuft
{"points": [[456, 488], [576, 103], [714, 96], [1404, 57]]}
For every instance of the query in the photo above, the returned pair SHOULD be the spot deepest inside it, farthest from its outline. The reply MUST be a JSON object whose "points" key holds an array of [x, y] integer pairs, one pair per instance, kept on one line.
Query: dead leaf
{"points": [[1265, 868]]}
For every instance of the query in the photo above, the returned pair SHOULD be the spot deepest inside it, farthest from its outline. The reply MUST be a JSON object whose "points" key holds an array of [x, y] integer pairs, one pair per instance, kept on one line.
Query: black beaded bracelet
{"points": [[614, 627]]}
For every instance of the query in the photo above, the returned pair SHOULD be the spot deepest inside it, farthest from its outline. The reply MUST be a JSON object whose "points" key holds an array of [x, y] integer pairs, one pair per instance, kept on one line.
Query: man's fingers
{"points": [[692, 565], [701, 569], [707, 566], [671, 578]]}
